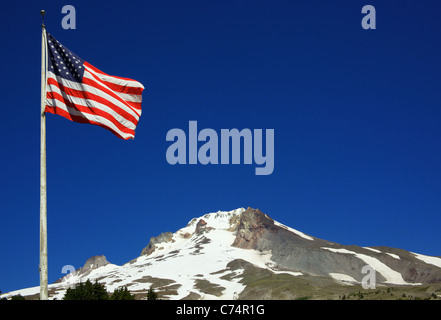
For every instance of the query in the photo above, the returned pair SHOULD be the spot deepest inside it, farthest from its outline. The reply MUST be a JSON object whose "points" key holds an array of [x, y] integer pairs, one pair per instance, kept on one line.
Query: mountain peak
{"points": [[252, 224]]}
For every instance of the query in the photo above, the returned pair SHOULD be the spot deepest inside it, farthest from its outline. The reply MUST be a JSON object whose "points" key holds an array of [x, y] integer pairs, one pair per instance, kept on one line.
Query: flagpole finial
{"points": [[42, 12]]}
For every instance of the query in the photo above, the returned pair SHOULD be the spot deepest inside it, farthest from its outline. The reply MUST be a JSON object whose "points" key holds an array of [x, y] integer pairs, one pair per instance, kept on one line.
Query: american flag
{"points": [[82, 93]]}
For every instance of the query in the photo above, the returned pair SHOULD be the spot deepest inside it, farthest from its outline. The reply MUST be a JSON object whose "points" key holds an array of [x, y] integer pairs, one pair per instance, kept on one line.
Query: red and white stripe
{"points": [[107, 101]]}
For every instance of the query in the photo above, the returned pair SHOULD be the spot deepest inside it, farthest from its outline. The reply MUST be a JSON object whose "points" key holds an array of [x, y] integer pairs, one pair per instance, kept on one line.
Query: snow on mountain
{"points": [[392, 276], [428, 259], [211, 258]]}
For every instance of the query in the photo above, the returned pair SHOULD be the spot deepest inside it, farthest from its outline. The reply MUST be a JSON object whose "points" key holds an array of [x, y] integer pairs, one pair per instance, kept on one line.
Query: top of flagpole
{"points": [[42, 12]]}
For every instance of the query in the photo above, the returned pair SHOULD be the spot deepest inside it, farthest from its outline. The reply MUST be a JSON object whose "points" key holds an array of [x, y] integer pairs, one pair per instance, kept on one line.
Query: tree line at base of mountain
{"points": [[392, 294], [96, 291]]}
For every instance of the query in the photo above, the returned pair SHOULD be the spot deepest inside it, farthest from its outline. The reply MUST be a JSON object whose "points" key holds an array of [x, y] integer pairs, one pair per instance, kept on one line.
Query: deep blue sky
{"points": [[356, 114]]}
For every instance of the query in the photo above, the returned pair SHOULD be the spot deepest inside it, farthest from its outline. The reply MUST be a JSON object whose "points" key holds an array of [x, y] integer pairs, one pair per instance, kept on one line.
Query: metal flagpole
{"points": [[43, 186]]}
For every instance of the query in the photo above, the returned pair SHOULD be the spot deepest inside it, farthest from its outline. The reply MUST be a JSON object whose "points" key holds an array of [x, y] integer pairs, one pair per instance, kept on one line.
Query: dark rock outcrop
{"points": [[202, 227], [95, 262], [253, 225], [92, 263], [154, 241]]}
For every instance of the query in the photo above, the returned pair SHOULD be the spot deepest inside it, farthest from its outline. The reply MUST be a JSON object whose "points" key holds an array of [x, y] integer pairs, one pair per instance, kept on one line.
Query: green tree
{"points": [[152, 295], [122, 294], [87, 291]]}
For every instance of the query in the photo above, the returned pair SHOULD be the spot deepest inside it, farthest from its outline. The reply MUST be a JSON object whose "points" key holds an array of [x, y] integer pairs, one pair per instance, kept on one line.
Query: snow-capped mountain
{"points": [[245, 254]]}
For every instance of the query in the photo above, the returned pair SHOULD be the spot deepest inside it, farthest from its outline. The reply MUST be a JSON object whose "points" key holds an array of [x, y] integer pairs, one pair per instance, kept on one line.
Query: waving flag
{"points": [[82, 93]]}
